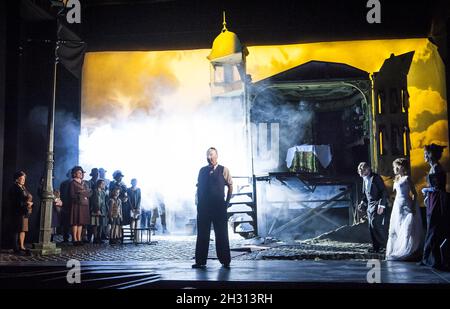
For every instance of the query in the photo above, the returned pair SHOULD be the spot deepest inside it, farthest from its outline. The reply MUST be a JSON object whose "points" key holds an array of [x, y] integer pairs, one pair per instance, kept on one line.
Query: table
{"points": [[308, 158]]}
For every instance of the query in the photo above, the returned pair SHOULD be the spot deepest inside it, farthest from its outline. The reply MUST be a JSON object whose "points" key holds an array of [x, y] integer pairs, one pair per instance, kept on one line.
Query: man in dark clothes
{"points": [[375, 199], [88, 230], [65, 211], [212, 208], [102, 175], [94, 177], [159, 210], [134, 200]]}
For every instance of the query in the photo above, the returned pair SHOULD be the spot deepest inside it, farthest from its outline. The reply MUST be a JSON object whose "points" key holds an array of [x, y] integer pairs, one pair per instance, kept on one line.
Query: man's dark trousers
{"points": [[217, 215]]}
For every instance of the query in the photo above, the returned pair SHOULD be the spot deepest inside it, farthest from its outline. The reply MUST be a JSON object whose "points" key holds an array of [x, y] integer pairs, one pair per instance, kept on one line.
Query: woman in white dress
{"points": [[405, 230]]}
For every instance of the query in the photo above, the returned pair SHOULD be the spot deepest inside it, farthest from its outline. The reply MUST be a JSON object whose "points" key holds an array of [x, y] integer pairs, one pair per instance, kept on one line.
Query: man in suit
{"points": [[375, 200], [212, 208]]}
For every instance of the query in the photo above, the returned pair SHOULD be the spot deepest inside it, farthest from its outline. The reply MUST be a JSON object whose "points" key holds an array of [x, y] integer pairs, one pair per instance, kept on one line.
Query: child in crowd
{"points": [[99, 211], [115, 216]]}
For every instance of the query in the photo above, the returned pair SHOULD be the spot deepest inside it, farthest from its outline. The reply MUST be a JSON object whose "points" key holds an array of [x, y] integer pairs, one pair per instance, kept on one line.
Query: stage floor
{"points": [[242, 274], [167, 264]]}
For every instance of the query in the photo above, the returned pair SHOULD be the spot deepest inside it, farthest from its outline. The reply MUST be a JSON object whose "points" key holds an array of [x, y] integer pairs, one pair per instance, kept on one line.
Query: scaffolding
{"points": [[315, 207]]}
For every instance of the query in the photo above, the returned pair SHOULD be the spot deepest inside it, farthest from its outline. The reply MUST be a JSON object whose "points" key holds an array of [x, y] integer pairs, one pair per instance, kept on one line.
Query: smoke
{"points": [[288, 210], [276, 126], [149, 114], [65, 134], [164, 149]]}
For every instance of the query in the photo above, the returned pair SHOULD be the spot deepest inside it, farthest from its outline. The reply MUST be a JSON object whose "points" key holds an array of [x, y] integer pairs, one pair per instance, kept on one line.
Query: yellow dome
{"points": [[226, 44]]}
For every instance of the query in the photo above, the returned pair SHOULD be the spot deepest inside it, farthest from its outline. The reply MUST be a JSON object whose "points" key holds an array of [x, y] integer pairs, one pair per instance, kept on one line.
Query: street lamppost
{"points": [[69, 51], [45, 246]]}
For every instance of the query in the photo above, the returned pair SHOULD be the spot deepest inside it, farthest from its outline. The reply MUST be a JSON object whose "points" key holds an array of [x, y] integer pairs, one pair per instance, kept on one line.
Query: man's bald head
{"points": [[212, 156]]}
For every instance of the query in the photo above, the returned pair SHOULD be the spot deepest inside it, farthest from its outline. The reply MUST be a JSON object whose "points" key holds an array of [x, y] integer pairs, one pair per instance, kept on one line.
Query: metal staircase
{"points": [[242, 207]]}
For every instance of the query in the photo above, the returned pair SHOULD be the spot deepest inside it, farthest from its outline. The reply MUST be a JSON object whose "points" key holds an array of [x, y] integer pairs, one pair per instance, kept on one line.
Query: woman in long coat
{"points": [[79, 193], [21, 202]]}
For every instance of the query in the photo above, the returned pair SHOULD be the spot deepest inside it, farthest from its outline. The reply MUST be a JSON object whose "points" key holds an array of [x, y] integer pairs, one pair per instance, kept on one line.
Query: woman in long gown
{"points": [[436, 250], [405, 229]]}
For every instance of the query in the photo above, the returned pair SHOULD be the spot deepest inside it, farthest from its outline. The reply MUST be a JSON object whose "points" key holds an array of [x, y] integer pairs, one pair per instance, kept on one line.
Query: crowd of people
{"points": [[98, 208], [398, 231], [86, 211]]}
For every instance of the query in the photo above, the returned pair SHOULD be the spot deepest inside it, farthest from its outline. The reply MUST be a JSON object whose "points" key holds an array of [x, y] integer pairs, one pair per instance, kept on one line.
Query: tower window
{"points": [[219, 74]]}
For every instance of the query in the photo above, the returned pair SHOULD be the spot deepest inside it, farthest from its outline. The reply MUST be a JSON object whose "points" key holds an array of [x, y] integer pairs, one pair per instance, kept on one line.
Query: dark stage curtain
{"points": [[71, 49]]}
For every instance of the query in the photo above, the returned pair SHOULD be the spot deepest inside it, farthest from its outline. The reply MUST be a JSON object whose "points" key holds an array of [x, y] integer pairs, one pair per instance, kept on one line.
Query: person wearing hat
{"points": [[118, 183], [88, 230], [94, 177], [79, 193], [99, 211], [102, 175], [436, 249]]}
